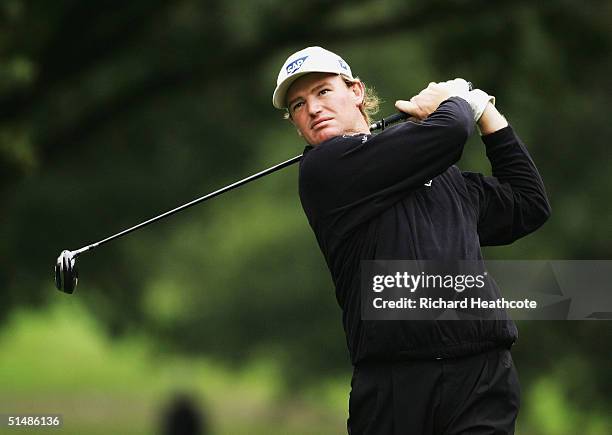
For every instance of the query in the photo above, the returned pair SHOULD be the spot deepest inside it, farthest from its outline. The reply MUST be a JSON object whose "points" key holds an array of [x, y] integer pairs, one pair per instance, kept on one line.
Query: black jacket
{"points": [[365, 198]]}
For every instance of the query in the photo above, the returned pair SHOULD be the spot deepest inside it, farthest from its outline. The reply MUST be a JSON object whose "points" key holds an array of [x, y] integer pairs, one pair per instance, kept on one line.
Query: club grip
{"points": [[391, 119]]}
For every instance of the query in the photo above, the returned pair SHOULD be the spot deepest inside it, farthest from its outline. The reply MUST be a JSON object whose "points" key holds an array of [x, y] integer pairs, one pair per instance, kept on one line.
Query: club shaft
{"points": [[377, 125], [227, 188]]}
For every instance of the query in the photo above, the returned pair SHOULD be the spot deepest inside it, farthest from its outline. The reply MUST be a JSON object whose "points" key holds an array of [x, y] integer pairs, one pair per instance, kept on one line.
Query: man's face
{"points": [[322, 106]]}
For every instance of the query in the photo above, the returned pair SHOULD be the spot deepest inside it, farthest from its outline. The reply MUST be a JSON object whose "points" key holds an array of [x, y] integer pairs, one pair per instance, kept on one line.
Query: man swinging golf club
{"points": [[398, 195]]}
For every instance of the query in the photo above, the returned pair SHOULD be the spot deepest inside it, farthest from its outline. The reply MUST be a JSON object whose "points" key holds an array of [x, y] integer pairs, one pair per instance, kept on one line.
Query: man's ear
{"points": [[358, 89]]}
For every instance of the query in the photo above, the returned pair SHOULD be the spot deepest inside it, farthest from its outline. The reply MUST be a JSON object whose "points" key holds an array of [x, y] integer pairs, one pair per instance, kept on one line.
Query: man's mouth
{"points": [[319, 122]]}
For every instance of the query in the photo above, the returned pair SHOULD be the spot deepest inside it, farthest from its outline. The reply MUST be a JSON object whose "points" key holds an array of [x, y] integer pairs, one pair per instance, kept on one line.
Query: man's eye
{"points": [[297, 106], [324, 91]]}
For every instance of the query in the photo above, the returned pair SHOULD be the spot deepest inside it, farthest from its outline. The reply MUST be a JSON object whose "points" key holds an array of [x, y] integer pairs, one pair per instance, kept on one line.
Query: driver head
{"points": [[66, 275]]}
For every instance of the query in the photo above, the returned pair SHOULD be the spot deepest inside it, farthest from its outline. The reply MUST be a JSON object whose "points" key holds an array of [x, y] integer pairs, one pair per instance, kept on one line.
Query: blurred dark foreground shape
{"points": [[183, 416]]}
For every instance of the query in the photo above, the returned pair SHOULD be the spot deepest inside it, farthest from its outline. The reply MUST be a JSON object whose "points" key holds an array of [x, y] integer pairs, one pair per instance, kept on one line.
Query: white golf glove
{"points": [[457, 88], [476, 98]]}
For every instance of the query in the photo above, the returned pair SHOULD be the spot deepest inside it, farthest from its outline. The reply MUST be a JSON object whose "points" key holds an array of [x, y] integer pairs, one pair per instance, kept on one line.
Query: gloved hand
{"points": [[478, 101], [457, 88], [476, 98], [422, 105]]}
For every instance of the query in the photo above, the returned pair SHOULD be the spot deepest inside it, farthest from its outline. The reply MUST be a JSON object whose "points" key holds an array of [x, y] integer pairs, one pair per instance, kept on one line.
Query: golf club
{"points": [[66, 274]]}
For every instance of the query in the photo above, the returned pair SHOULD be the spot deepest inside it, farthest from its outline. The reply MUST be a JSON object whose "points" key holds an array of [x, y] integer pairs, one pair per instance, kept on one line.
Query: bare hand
{"points": [[426, 102]]}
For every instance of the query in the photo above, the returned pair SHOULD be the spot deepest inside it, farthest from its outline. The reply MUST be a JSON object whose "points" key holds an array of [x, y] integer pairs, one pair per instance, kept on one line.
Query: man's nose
{"points": [[314, 107]]}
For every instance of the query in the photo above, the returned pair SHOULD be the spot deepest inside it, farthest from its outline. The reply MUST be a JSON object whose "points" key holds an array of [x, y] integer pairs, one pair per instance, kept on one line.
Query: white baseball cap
{"points": [[308, 60]]}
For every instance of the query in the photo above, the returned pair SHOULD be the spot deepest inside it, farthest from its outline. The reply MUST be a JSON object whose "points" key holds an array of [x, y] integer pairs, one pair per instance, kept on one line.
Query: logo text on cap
{"points": [[295, 65]]}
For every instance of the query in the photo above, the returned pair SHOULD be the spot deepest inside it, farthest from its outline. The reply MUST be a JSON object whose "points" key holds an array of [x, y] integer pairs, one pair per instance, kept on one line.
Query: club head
{"points": [[66, 275]]}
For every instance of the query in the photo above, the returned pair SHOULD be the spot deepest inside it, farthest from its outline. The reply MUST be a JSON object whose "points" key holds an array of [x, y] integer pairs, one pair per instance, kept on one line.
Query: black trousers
{"points": [[477, 394]]}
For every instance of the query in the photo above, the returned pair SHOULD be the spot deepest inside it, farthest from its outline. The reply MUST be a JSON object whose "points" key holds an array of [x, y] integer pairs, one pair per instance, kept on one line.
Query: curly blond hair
{"points": [[371, 102]]}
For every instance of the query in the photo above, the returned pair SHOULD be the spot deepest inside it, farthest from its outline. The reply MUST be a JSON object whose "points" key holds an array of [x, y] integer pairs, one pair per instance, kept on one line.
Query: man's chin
{"points": [[325, 134]]}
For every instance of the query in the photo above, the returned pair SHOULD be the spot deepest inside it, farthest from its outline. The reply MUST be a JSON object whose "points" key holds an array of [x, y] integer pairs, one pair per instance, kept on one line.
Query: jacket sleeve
{"points": [[347, 180], [512, 203]]}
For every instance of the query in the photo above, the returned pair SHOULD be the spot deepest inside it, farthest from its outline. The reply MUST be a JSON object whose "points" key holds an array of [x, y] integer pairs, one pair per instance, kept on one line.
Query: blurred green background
{"points": [[112, 112]]}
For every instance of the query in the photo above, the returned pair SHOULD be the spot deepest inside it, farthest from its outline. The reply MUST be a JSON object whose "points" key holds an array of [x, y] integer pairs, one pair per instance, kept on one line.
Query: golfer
{"points": [[398, 195]]}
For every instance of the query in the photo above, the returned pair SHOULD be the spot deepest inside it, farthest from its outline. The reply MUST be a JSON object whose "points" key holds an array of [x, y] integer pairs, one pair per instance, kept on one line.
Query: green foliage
{"points": [[63, 359]]}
